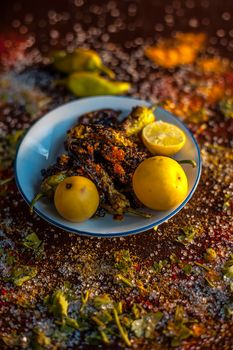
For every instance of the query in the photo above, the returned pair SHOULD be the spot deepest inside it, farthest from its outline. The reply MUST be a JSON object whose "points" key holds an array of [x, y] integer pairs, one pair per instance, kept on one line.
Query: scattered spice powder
{"points": [[169, 287]]}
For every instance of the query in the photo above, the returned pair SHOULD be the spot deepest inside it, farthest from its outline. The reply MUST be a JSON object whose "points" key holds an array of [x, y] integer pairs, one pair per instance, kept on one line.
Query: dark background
{"points": [[54, 22]]}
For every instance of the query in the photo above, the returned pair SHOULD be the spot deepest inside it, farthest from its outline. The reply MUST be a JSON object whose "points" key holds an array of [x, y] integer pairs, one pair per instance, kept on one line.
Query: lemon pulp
{"points": [[163, 138]]}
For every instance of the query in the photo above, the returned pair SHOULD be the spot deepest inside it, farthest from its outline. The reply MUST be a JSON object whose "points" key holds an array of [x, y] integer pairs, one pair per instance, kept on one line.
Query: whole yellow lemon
{"points": [[76, 198], [160, 183]]}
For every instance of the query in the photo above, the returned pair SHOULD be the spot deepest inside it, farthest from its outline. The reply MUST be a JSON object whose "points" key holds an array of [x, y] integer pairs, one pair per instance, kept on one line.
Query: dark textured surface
{"points": [[148, 19], [118, 30]]}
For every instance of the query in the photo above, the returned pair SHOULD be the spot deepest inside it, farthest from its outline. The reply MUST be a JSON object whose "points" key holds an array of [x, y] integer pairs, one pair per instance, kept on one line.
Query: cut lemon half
{"points": [[163, 138]]}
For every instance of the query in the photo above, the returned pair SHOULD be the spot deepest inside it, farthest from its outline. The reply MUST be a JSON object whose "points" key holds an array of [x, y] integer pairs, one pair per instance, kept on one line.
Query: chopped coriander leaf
{"points": [[40, 341], [228, 267], [145, 326], [102, 301], [226, 107], [32, 241], [58, 306], [22, 274], [123, 260], [188, 235], [173, 258], [158, 266], [187, 269]]}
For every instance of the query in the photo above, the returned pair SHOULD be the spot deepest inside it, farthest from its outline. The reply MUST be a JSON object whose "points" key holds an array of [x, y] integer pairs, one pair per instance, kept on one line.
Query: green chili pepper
{"points": [[91, 84], [79, 60], [137, 119], [48, 187]]}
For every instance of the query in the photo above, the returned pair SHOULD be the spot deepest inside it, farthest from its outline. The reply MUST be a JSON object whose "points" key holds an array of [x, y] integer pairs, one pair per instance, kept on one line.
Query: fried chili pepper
{"points": [[137, 119], [47, 187], [98, 133], [120, 155], [79, 60], [104, 155], [113, 201], [84, 84]]}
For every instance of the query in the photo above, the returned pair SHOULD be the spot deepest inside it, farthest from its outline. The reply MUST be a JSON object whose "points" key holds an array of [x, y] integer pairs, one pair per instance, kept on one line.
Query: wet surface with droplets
{"points": [[119, 31]]}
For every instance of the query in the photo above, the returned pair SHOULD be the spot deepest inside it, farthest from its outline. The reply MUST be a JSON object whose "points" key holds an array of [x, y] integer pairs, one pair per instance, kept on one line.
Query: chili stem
{"points": [[209, 282], [138, 212], [104, 337], [153, 107], [188, 161], [35, 199], [98, 321], [201, 265], [124, 280], [5, 181], [123, 333], [85, 297], [108, 71]]}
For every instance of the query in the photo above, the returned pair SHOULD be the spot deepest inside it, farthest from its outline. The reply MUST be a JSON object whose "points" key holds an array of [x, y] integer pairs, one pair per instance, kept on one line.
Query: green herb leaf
{"points": [[187, 269], [226, 107], [188, 235], [173, 258], [40, 341], [158, 266], [228, 267], [12, 340], [103, 301], [22, 274], [138, 327], [85, 297], [228, 271], [57, 304], [71, 322], [137, 309], [123, 260], [177, 330], [183, 333], [179, 314], [32, 241], [145, 326]]}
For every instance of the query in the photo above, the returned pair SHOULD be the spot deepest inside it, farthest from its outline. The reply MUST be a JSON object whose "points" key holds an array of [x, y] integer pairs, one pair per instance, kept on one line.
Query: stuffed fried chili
{"points": [[100, 151]]}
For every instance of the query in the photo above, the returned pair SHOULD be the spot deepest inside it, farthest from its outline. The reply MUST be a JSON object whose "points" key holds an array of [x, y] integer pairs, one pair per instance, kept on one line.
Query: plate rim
{"points": [[113, 234]]}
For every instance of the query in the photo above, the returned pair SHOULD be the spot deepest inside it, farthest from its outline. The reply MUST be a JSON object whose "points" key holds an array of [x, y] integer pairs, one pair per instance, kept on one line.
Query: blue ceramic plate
{"points": [[44, 142]]}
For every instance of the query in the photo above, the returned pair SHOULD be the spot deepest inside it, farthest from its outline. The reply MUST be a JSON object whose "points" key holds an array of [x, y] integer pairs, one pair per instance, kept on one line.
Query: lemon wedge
{"points": [[163, 138]]}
